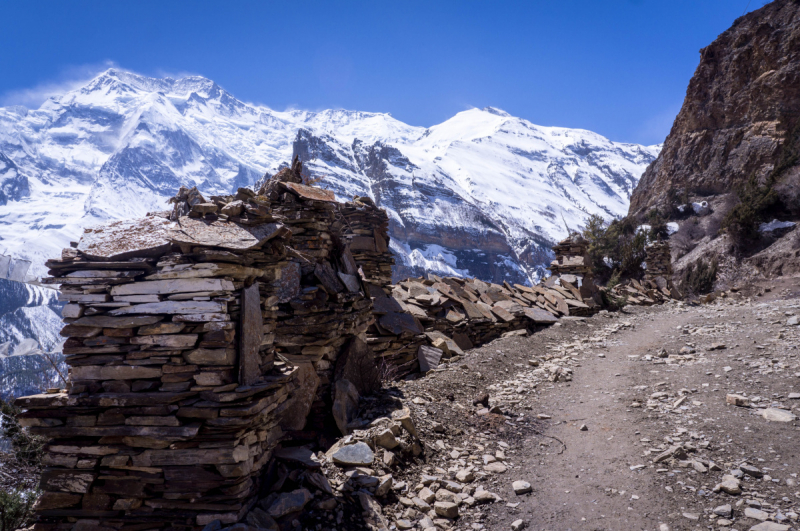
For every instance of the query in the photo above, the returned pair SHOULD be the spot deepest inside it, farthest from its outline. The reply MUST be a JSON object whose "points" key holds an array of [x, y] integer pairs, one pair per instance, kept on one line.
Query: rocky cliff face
{"points": [[740, 118]]}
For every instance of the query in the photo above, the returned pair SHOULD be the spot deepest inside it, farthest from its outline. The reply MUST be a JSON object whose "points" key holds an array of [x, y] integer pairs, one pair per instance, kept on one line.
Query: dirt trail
{"points": [[591, 464]]}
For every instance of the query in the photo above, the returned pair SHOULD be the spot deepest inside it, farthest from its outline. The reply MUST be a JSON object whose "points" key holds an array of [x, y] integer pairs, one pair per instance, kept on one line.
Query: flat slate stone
{"points": [[299, 454], [429, 357], [250, 335], [778, 415], [224, 234], [397, 323], [359, 454], [104, 321], [289, 502], [120, 240], [769, 526], [539, 316]]}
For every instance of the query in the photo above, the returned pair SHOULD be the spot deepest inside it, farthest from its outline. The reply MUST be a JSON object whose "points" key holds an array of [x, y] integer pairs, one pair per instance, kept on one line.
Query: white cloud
{"points": [[70, 78]]}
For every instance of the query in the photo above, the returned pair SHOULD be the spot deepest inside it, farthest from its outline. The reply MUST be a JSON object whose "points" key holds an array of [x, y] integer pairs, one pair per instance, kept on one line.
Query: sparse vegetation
{"points": [[679, 204], [16, 508], [27, 448], [699, 277], [753, 203], [615, 248]]}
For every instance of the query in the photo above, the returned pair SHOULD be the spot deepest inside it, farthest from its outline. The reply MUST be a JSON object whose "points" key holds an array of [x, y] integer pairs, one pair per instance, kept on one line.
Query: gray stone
{"points": [[384, 485], [521, 487], [452, 486], [730, 485], [429, 357], [517, 525], [426, 495], [357, 365], [737, 400], [465, 476], [752, 471], [289, 502], [358, 454], [778, 415], [723, 510], [675, 451], [373, 513], [769, 526], [446, 509], [403, 416], [421, 504], [495, 468], [299, 454], [260, 519], [484, 496], [386, 439], [294, 416], [756, 514], [445, 495]]}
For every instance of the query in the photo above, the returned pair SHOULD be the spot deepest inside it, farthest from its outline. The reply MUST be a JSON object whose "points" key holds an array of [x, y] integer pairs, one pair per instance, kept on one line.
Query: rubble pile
{"points": [[645, 293], [175, 398], [455, 314], [657, 286]]}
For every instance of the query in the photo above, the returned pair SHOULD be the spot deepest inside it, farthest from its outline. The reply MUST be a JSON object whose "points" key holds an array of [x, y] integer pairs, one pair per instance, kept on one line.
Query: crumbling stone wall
{"points": [[174, 401], [198, 340]]}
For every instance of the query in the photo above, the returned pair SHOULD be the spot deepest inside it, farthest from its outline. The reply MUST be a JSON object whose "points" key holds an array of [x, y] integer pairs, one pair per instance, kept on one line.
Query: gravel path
{"points": [[587, 442]]}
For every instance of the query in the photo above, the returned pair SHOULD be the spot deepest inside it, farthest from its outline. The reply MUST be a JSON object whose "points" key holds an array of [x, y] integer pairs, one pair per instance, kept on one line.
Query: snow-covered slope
{"points": [[483, 193], [30, 319]]}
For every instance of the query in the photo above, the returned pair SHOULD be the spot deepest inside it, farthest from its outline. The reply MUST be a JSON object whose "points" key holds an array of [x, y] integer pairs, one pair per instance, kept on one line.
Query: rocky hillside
{"points": [[481, 194], [740, 118]]}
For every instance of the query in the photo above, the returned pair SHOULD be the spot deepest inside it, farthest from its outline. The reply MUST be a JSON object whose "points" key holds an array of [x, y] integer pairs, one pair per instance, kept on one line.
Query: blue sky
{"points": [[617, 67]]}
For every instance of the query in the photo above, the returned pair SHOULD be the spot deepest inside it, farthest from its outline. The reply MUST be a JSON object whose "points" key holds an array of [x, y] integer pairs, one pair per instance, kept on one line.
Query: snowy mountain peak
{"points": [[482, 193], [495, 110]]}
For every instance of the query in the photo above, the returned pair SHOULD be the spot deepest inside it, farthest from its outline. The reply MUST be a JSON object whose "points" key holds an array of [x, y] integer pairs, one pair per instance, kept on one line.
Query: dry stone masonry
{"points": [[207, 340]]}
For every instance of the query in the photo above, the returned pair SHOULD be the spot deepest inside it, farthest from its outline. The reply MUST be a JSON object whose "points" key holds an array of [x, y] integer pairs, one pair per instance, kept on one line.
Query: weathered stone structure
{"points": [[203, 340], [659, 263], [198, 339]]}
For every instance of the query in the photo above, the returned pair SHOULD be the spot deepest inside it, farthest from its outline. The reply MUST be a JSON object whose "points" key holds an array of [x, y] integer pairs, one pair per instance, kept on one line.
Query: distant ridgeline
{"points": [[30, 321]]}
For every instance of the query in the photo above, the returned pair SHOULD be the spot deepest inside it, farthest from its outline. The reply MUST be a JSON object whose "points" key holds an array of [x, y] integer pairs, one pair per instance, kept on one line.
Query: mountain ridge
{"points": [[120, 145]]}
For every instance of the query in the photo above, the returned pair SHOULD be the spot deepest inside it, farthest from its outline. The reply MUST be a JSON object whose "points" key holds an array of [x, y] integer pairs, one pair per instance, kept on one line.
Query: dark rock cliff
{"points": [[740, 118]]}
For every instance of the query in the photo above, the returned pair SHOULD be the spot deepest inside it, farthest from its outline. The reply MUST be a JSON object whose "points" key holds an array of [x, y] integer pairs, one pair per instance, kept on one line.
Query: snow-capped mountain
{"points": [[30, 322], [482, 194], [30, 319]]}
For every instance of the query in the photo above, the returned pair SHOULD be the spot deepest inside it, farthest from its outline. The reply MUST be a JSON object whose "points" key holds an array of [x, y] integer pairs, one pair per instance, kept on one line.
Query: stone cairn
{"points": [[572, 270], [659, 263]]}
